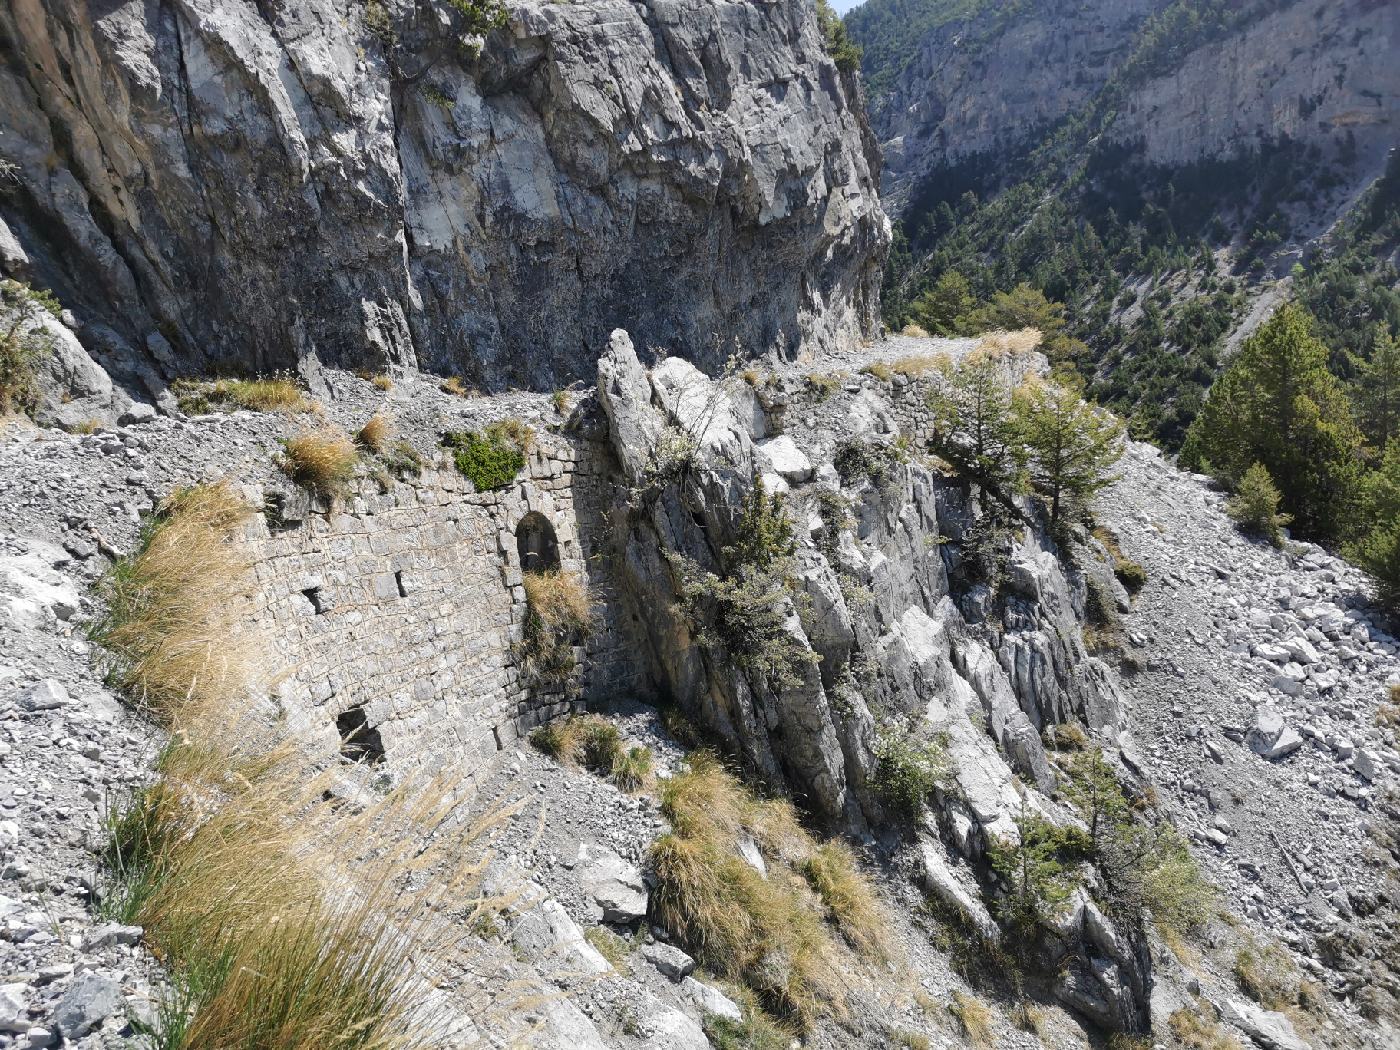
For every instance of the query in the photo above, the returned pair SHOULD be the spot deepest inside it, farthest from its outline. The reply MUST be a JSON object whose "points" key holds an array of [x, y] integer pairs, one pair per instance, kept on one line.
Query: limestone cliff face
{"points": [[1309, 70], [987, 84], [224, 184]]}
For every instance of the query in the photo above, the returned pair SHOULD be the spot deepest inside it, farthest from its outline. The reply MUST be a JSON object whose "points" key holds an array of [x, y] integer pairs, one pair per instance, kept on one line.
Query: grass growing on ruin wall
{"points": [[284, 920]]}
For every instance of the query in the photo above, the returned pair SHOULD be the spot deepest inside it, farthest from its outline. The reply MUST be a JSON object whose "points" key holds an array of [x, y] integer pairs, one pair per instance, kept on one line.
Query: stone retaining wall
{"points": [[405, 600]]}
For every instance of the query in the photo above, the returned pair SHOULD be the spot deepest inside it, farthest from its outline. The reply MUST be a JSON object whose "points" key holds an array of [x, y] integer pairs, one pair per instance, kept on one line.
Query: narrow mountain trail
{"points": [[1254, 709]]}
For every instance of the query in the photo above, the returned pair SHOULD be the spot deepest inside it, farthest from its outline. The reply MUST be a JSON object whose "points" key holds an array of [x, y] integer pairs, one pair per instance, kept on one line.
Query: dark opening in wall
{"points": [[536, 544], [359, 741], [313, 595], [398, 581]]}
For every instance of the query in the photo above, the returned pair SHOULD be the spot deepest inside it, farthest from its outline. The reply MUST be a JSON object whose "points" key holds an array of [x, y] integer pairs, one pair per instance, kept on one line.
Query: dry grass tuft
{"points": [[1019, 342], [916, 365], [559, 616], [632, 772], [283, 918], [973, 1017], [768, 931], [1029, 1018], [171, 626], [376, 434], [832, 873], [913, 331], [1195, 1030], [267, 394], [1388, 714], [880, 370], [455, 386], [322, 460], [383, 383]]}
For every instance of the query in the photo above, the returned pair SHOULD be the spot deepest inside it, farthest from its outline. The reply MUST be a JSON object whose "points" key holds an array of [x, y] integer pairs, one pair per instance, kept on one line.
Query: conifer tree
{"points": [[943, 309], [1378, 389], [1278, 405], [1377, 549], [973, 424], [1073, 444], [1254, 506]]}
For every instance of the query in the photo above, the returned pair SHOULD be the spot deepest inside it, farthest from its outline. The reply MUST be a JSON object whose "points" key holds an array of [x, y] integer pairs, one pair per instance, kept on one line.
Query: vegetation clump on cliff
{"points": [[263, 394], [558, 616], [22, 343], [746, 609], [769, 928], [493, 457]]}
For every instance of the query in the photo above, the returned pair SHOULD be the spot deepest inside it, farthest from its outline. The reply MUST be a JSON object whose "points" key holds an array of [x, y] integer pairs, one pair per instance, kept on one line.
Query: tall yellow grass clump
{"points": [[770, 929], [172, 621], [376, 434], [266, 394], [285, 921], [1022, 341], [559, 616], [322, 460]]}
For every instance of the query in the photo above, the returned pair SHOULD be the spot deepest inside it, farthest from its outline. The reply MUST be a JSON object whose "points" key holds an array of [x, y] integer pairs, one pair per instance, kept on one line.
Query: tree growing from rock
{"points": [[1278, 405], [974, 427], [1073, 445]]}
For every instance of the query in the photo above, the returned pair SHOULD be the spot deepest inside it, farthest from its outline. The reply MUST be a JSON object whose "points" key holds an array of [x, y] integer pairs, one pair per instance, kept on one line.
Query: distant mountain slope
{"points": [[1158, 166]]}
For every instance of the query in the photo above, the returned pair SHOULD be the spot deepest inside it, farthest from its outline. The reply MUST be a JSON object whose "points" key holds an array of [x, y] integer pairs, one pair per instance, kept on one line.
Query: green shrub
{"points": [[745, 610], [855, 460], [1131, 575], [493, 458], [1254, 506], [22, 343], [402, 460], [844, 51], [907, 771], [1038, 870]]}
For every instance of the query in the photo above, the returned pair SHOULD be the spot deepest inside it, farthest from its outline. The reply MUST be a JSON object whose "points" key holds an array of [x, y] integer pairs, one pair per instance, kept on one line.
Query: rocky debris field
{"points": [[68, 753], [1254, 709]]}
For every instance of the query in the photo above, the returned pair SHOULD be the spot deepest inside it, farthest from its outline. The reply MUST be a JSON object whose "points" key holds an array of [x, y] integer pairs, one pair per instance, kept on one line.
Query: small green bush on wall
{"points": [[490, 459]]}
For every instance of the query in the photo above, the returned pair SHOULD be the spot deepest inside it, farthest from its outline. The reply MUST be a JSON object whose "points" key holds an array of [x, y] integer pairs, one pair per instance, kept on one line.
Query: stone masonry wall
{"points": [[406, 602]]}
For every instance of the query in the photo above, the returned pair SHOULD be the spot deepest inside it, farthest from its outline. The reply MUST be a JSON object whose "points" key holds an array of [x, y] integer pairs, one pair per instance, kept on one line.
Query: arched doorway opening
{"points": [[536, 544]]}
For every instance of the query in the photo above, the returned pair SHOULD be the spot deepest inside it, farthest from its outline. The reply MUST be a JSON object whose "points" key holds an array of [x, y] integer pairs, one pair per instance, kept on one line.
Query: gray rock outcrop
{"points": [[223, 185]]}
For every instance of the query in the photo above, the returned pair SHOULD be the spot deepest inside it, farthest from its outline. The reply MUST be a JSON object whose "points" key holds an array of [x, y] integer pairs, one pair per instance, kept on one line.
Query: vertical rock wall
{"points": [[230, 185]]}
